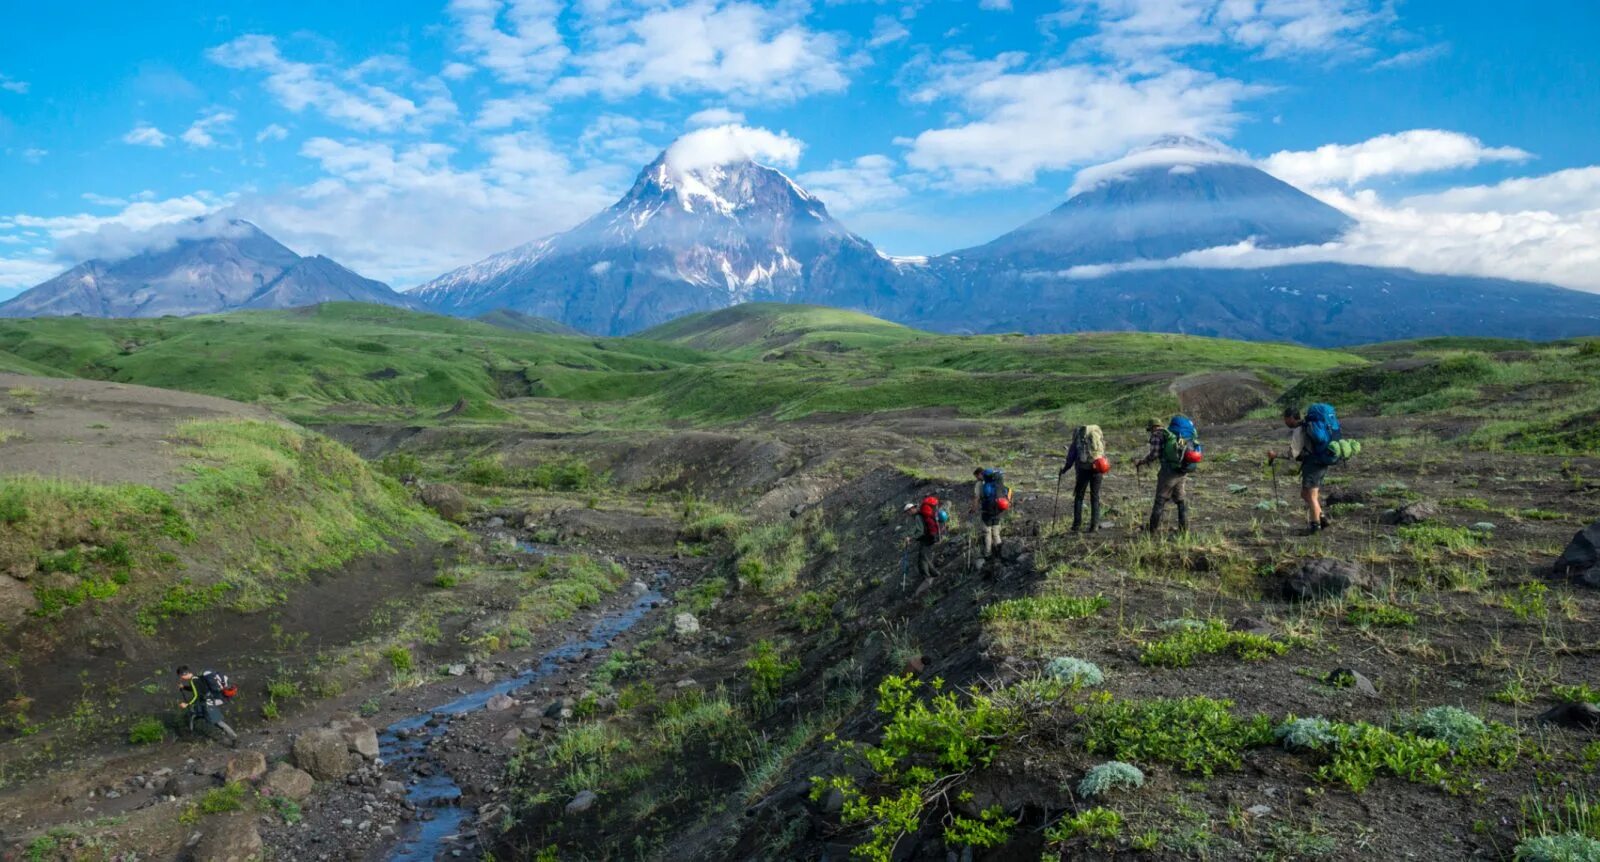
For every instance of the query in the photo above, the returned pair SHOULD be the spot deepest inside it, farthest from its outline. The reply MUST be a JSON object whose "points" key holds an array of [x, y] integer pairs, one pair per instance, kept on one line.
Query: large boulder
{"points": [[1579, 716], [1309, 580], [360, 736], [230, 839], [245, 766], [1581, 560], [685, 626], [323, 752], [446, 500], [286, 781], [1412, 513]]}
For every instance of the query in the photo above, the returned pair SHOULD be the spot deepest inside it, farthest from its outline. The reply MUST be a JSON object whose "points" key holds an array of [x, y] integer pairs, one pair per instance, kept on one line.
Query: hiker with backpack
{"points": [[1317, 443], [992, 500], [1179, 452], [1087, 459], [204, 695], [932, 517]]}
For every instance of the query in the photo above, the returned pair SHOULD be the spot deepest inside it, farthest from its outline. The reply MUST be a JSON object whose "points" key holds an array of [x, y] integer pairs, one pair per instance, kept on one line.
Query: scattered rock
{"points": [[1350, 678], [359, 736], [1322, 579], [500, 703], [392, 788], [511, 738], [229, 839], [687, 682], [1412, 513], [183, 785], [456, 670], [495, 523], [915, 665], [556, 708], [286, 781], [1259, 810], [1482, 527], [245, 766], [584, 801], [1581, 560], [1579, 716], [637, 589], [323, 752], [685, 625], [446, 500], [1251, 625], [483, 675]]}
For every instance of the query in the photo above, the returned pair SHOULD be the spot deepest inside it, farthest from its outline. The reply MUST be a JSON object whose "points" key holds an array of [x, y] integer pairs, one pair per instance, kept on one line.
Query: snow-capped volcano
{"points": [[688, 236], [1177, 195], [203, 266]]}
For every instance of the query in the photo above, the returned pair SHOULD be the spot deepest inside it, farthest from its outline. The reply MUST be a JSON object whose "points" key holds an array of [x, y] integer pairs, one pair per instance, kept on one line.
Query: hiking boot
{"points": [[1324, 523], [1313, 528]]}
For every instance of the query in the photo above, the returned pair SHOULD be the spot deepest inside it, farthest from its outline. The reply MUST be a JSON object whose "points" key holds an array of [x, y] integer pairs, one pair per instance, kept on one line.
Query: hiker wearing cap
{"points": [[932, 517], [203, 696], [992, 499], [1175, 446], [1086, 457]]}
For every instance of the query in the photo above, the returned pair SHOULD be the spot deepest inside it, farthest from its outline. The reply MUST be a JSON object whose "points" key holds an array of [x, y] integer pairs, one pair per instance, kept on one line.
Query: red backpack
{"points": [[932, 516]]}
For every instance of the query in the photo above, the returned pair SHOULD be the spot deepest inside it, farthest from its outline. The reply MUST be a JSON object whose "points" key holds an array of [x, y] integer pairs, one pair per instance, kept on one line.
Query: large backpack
{"points": [[218, 688], [1325, 443], [933, 517], [1177, 442], [1088, 444], [996, 496]]}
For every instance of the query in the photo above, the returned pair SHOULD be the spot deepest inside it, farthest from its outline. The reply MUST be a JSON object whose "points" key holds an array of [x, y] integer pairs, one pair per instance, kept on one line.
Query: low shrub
{"points": [[147, 731], [1183, 646], [1046, 608], [1110, 776], [1075, 672], [1195, 734]]}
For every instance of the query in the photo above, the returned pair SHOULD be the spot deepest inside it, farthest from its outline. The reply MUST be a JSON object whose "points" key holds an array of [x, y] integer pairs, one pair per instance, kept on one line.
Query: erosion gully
{"points": [[404, 744]]}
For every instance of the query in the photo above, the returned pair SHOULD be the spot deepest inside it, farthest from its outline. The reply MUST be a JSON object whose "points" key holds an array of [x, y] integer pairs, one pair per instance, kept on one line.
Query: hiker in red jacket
{"points": [[933, 517]]}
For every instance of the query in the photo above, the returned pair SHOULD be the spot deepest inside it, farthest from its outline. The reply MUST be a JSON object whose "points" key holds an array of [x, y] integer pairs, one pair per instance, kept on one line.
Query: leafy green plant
{"points": [[1046, 608], [399, 658], [1565, 847], [1196, 734], [767, 674], [1529, 602], [1302, 734], [147, 731], [1440, 537], [1378, 614], [991, 828], [1451, 725], [1181, 648], [1580, 693], [220, 800], [1101, 827]]}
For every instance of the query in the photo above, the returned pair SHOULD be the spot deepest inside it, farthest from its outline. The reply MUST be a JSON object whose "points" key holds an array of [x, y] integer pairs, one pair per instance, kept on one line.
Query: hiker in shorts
{"points": [[203, 699], [1085, 458], [1170, 481], [1312, 472], [991, 499]]}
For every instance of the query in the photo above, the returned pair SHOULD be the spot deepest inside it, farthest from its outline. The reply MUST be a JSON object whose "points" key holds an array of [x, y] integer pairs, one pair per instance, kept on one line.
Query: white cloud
{"points": [[1179, 153], [1139, 31], [21, 273], [713, 117], [868, 181], [1417, 151], [740, 50], [501, 113], [272, 132], [996, 5], [887, 30], [1027, 122], [454, 71], [1544, 229], [80, 236], [420, 214], [199, 134], [146, 136], [12, 85], [354, 103], [721, 145], [1414, 57], [620, 137], [528, 49]]}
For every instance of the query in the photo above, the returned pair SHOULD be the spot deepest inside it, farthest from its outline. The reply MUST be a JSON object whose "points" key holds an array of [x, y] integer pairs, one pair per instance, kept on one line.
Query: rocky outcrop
{"points": [[1580, 562], [446, 500], [286, 781], [230, 839], [1412, 513], [245, 766], [1322, 579], [323, 752]]}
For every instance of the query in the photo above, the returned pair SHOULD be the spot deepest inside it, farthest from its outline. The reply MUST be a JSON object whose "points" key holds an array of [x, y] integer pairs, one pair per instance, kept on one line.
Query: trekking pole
{"points": [[905, 567], [1055, 508], [1272, 467]]}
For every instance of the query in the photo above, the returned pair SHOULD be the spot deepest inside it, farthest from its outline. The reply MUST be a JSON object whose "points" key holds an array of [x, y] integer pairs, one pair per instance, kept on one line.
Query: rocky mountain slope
{"points": [[223, 267], [681, 240]]}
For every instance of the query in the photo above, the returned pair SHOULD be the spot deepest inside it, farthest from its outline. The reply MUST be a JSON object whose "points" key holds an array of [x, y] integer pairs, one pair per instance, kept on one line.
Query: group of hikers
{"points": [[1316, 443]]}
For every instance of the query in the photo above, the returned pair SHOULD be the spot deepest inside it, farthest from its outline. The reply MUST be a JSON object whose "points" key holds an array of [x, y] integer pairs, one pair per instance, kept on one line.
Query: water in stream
{"points": [[403, 744]]}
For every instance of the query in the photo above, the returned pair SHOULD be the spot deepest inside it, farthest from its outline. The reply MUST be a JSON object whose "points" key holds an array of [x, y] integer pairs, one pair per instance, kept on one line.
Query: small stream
{"points": [[438, 792]]}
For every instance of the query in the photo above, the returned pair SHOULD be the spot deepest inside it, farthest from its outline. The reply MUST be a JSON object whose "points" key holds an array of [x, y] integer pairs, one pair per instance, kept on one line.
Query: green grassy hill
{"points": [[340, 360], [757, 327], [516, 321]]}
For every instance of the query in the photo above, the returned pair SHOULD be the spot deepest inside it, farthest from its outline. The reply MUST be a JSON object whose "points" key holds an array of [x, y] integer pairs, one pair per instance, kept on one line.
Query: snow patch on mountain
{"points": [[1180, 153]]}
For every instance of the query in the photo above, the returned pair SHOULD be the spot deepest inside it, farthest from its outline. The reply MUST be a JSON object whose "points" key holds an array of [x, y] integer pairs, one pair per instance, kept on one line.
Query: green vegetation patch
{"points": [[1046, 608], [1183, 646], [1196, 734]]}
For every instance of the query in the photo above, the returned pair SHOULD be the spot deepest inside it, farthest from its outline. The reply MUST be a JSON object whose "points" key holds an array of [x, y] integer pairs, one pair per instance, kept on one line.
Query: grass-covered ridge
{"points": [[756, 327], [264, 504]]}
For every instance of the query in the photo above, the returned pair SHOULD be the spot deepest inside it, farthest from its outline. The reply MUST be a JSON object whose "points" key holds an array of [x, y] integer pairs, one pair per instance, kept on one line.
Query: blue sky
{"points": [[408, 141]]}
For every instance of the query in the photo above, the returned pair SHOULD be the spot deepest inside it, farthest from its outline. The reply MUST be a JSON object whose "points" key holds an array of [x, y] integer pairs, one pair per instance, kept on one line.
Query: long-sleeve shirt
{"points": [[1158, 437]]}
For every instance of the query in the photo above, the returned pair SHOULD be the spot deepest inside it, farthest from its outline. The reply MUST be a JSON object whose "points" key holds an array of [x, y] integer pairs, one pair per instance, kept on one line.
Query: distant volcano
{"points": [[223, 266]]}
